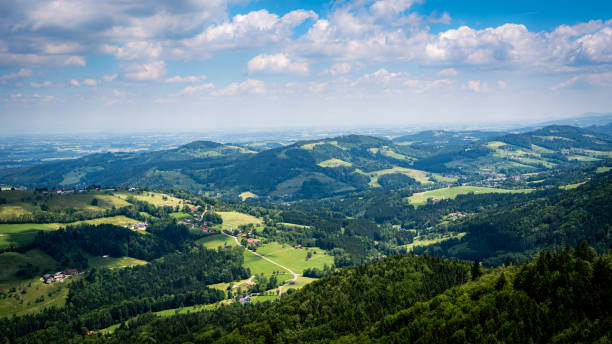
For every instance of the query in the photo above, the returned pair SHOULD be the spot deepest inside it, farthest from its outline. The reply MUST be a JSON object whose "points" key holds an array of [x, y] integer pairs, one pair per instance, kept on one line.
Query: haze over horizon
{"points": [[111, 66]]}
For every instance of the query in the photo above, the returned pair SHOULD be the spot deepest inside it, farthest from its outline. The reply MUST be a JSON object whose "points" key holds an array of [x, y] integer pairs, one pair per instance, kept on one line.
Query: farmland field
{"points": [[115, 263], [235, 219], [246, 195], [216, 240], [155, 198], [452, 192], [295, 259], [334, 163], [20, 234]]}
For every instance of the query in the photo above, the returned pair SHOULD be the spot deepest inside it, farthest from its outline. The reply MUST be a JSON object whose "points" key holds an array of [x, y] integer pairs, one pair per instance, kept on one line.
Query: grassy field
{"points": [[295, 259], [418, 175], [216, 240], [24, 233], [334, 163], [426, 242], [31, 296], [115, 263], [233, 219], [603, 169], [286, 224], [452, 192], [20, 234], [19, 302], [311, 146], [155, 198], [246, 195]]}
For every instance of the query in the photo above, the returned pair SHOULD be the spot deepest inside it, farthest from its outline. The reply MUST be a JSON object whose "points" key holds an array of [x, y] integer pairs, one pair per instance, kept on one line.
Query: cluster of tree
{"points": [[318, 273], [561, 297], [71, 245], [105, 297], [517, 231], [339, 304], [213, 218]]}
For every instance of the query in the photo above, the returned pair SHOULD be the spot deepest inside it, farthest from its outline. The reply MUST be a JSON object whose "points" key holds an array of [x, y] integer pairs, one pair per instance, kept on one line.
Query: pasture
{"points": [[155, 198], [334, 163], [295, 259], [453, 191], [246, 195], [216, 240], [234, 219], [114, 263]]}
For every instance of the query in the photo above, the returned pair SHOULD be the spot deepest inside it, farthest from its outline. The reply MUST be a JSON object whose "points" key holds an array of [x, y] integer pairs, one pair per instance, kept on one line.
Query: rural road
{"points": [[280, 288]]}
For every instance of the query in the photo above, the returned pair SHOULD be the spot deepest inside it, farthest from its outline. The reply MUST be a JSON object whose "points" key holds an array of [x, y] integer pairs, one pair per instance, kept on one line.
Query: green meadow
{"points": [[421, 198]]}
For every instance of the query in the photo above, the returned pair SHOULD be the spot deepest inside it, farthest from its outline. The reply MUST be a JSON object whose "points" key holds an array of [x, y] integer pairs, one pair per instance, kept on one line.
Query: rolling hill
{"points": [[326, 167]]}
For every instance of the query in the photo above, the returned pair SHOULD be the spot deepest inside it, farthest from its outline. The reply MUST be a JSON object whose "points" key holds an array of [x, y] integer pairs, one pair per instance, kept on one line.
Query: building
{"points": [[253, 241]]}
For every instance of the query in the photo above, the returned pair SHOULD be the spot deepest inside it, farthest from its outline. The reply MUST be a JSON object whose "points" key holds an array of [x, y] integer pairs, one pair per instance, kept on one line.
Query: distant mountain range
{"points": [[319, 168]]}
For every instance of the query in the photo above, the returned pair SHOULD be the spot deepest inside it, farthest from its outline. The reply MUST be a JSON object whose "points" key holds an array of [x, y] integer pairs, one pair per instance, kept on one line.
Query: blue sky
{"points": [[196, 65]]}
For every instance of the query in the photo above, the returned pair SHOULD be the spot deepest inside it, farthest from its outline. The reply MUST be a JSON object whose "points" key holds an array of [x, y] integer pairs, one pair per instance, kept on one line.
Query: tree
{"points": [[475, 270]]}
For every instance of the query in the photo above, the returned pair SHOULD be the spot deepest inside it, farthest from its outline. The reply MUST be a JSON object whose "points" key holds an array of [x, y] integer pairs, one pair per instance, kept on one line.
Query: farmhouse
{"points": [[457, 214], [253, 241], [245, 299]]}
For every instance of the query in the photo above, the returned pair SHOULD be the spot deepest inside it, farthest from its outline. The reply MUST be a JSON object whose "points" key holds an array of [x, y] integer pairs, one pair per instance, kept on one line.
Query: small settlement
{"points": [[59, 276]]}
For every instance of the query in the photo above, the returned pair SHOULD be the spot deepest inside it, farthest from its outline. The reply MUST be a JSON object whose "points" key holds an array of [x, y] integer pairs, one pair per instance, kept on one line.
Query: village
{"points": [[59, 276]]}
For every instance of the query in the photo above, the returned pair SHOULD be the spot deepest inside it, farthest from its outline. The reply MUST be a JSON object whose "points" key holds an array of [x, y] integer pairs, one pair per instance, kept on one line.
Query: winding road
{"points": [[280, 288]]}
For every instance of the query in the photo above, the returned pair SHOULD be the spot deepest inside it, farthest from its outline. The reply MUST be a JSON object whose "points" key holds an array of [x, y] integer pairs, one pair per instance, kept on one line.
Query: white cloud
{"points": [[61, 48], [501, 84], [22, 73], [449, 72], [383, 8], [251, 30], [30, 98], [134, 50], [46, 83], [75, 82], [477, 86], [586, 80], [249, 86], [341, 68], [187, 78], [198, 89], [90, 82], [317, 87], [147, 71], [277, 63], [110, 77], [118, 93]]}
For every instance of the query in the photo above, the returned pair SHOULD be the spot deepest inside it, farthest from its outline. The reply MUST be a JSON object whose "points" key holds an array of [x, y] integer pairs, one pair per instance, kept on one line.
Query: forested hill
{"points": [[562, 296], [328, 167], [518, 231]]}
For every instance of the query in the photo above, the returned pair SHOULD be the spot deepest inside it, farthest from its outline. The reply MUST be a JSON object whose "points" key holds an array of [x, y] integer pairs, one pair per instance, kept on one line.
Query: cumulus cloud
{"points": [[110, 77], [90, 82], [448, 72], [185, 79], [46, 83], [22, 73], [477, 86], [278, 63], [198, 89], [586, 80], [251, 30], [134, 50], [75, 82], [146, 71], [250, 86], [501, 84]]}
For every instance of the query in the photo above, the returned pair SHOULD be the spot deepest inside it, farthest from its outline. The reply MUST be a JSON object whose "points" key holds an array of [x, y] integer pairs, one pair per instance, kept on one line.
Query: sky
{"points": [[195, 65]]}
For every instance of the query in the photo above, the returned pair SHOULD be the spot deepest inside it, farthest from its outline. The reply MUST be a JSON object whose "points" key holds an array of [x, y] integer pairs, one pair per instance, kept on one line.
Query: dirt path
{"points": [[280, 288]]}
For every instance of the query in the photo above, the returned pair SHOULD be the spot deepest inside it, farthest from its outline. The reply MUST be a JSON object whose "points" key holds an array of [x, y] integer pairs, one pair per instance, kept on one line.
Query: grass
{"points": [[30, 301], [155, 198], [246, 195], [262, 266], [20, 234], [311, 146], [603, 169], [295, 259], [216, 240], [234, 219], [426, 242], [570, 186], [496, 144], [37, 296], [582, 158], [287, 224], [334, 163], [452, 192], [114, 263], [181, 215], [418, 175]]}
